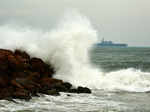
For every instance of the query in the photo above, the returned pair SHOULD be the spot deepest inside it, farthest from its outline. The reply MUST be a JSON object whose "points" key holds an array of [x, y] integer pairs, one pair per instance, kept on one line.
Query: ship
{"points": [[105, 43]]}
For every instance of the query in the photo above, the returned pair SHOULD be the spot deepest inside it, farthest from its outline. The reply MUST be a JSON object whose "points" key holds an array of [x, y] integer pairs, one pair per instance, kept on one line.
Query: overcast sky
{"points": [[126, 21]]}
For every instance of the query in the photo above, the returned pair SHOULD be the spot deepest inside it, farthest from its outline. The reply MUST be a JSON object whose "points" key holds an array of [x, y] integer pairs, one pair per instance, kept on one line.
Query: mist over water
{"points": [[67, 48]]}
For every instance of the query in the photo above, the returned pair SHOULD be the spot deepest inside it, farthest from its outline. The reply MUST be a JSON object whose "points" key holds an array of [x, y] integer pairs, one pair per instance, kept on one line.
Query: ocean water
{"points": [[118, 77], [113, 59]]}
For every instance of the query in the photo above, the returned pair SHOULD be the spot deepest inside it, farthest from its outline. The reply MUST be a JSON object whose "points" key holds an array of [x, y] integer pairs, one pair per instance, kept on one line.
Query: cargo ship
{"points": [[105, 43]]}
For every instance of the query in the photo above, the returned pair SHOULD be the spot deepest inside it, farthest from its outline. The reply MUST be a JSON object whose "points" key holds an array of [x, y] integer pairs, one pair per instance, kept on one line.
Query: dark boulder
{"points": [[60, 87], [21, 94], [14, 64], [15, 84], [23, 54], [34, 76], [6, 52], [53, 92], [80, 90], [73, 90], [49, 82], [29, 85], [19, 74], [24, 61], [37, 65], [67, 85], [6, 92], [4, 80], [4, 59], [83, 90], [44, 69]]}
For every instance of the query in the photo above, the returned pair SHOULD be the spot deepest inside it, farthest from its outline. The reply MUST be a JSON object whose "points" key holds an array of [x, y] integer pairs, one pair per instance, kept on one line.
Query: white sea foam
{"points": [[67, 48], [128, 80]]}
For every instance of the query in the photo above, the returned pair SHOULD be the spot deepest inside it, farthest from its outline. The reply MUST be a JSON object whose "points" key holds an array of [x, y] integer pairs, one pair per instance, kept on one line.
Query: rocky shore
{"points": [[22, 77]]}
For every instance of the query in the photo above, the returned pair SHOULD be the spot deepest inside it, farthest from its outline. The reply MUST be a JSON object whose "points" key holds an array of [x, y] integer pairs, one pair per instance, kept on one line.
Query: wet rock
{"points": [[83, 90], [37, 65], [41, 67], [19, 74], [25, 62], [4, 81], [6, 52], [34, 76], [68, 95], [6, 92], [4, 59], [15, 84], [53, 92], [14, 64], [60, 87], [29, 85], [21, 94], [11, 99], [23, 54], [49, 82], [67, 85], [80, 90], [73, 91], [22, 77]]}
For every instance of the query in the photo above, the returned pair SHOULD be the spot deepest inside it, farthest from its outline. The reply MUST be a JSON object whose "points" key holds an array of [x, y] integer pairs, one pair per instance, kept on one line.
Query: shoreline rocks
{"points": [[22, 77]]}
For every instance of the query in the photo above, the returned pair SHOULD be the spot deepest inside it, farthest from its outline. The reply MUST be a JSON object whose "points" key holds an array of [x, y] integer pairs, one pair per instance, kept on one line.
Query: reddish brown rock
{"points": [[22, 94], [35, 76], [37, 65], [4, 82], [49, 82], [16, 84], [26, 83], [6, 52], [14, 64], [41, 67], [3, 60], [19, 74], [17, 62], [21, 77], [24, 61], [6, 92], [23, 54]]}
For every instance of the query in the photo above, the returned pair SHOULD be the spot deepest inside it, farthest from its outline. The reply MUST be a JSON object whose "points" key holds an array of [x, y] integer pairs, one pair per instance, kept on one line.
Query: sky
{"points": [[125, 21]]}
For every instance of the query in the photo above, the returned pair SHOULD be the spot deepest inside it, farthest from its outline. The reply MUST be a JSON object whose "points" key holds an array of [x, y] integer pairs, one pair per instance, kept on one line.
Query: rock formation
{"points": [[23, 77]]}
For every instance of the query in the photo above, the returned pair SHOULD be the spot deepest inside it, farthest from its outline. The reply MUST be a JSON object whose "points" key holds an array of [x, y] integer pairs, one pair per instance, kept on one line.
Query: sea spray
{"points": [[67, 48], [127, 80], [73, 38]]}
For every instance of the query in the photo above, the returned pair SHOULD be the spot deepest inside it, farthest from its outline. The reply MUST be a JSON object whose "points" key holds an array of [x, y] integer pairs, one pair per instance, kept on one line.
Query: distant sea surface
{"points": [[112, 59]]}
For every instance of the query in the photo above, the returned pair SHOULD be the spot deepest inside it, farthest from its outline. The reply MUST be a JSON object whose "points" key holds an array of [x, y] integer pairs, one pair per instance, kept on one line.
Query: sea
{"points": [[118, 77], [122, 61]]}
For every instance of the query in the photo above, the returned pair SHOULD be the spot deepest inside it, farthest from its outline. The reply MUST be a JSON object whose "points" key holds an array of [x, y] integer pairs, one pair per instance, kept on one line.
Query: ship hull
{"points": [[112, 45]]}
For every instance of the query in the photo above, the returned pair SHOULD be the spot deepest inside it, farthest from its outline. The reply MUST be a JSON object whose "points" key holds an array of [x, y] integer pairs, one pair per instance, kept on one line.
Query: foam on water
{"points": [[67, 48], [63, 103]]}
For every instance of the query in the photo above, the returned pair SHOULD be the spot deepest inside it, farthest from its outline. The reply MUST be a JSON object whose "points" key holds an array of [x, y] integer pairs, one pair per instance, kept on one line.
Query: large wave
{"points": [[67, 48]]}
